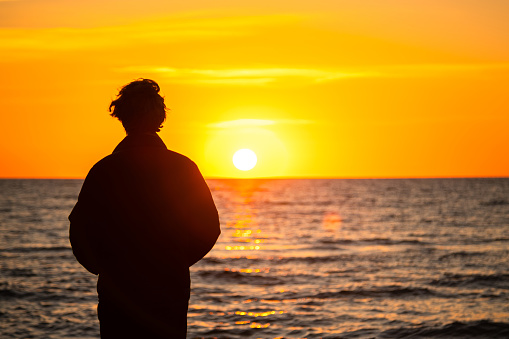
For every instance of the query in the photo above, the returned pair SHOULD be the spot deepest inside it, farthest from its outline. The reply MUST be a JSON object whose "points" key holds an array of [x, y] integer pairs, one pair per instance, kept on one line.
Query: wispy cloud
{"points": [[243, 76], [264, 76], [182, 27], [242, 123], [420, 70], [257, 123]]}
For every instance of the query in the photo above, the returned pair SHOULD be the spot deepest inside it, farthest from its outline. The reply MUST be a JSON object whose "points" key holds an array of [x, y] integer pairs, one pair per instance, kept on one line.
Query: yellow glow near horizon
{"points": [[257, 144]]}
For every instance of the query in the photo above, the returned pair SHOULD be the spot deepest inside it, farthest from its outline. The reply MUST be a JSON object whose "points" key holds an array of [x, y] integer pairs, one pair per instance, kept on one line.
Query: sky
{"points": [[320, 89]]}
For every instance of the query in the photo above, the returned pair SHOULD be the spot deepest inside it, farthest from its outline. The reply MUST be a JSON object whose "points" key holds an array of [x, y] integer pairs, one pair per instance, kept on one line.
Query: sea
{"points": [[297, 258]]}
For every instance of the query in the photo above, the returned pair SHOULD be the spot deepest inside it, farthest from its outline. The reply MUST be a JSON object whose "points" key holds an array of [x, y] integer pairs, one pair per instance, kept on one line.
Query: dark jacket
{"points": [[143, 217]]}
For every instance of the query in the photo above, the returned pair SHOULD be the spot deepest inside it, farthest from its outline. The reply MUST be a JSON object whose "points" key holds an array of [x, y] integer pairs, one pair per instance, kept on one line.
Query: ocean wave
{"points": [[269, 260], [473, 280], [232, 333], [461, 254], [301, 203], [486, 241], [494, 202], [314, 260], [202, 290], [474, 329], [212, 260], [37, 294], [240, 278], [35, 249], [376, 241], [388, 291], [380, 292], [7, 293], [19, 272]]}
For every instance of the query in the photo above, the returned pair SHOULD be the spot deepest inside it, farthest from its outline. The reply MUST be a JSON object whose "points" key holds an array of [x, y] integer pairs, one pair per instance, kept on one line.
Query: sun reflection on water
{"points": [[241, 248], [331, 221], [242, 235], [257, 325], [243, 227], [248, 270]]}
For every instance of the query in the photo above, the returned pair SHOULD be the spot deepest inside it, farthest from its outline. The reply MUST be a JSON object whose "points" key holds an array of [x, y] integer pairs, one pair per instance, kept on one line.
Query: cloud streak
{"points": [[420, 70], [265, 76], [176, 28], [243, 76], [257, 123]]}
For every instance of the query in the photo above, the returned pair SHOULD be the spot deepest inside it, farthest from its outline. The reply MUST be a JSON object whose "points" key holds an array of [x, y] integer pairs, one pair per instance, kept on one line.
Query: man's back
{"points": [[144, 215]]}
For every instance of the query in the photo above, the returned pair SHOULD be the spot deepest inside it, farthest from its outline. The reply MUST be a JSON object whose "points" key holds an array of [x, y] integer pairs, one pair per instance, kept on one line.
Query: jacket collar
{"points": [[140, 140]]}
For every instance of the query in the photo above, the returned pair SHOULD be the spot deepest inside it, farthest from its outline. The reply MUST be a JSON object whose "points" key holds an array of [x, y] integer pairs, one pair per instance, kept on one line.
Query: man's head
{"points": [[139, 107]]}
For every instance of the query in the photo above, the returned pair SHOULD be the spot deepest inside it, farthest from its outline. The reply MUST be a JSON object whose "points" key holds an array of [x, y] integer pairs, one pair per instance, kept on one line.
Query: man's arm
{"points": [[201, 217], [85, 220]]}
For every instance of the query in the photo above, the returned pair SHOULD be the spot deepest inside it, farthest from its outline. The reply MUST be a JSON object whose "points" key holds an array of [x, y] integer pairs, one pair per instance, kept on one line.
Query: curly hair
{"points": [[139, 106]]}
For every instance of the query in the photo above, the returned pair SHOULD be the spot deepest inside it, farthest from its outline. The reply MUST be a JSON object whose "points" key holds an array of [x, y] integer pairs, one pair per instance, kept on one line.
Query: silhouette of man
{"points": [[143, 217]]}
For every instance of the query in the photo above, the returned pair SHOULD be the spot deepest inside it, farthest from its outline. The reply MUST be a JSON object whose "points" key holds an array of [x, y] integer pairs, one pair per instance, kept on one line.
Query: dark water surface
{"points": [[297, 259]]}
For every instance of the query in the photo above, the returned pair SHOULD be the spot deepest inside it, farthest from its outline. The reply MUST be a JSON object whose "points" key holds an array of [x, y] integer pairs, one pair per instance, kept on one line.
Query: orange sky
{"points": [[351, 88]]}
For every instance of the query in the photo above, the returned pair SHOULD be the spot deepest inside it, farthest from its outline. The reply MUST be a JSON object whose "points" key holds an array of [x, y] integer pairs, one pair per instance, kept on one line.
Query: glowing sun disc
{"points": [[244, 159]]}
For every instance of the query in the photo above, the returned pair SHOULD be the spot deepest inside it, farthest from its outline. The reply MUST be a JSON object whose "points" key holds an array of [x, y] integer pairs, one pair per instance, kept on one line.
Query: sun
{"points": [[244, 159]]}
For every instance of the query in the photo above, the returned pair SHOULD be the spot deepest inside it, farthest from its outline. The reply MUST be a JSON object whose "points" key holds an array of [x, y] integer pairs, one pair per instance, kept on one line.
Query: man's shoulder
{"points": [[177, 159], [177, 156], [180, 159]]}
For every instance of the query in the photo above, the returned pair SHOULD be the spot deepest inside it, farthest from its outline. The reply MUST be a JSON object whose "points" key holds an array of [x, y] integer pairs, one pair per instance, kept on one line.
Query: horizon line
{"points": [[291, 177]]}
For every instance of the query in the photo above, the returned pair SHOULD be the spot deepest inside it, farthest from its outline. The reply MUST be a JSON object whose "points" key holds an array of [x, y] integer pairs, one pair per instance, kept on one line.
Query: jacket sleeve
{"points": [[86, 219], [201, 217]]}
